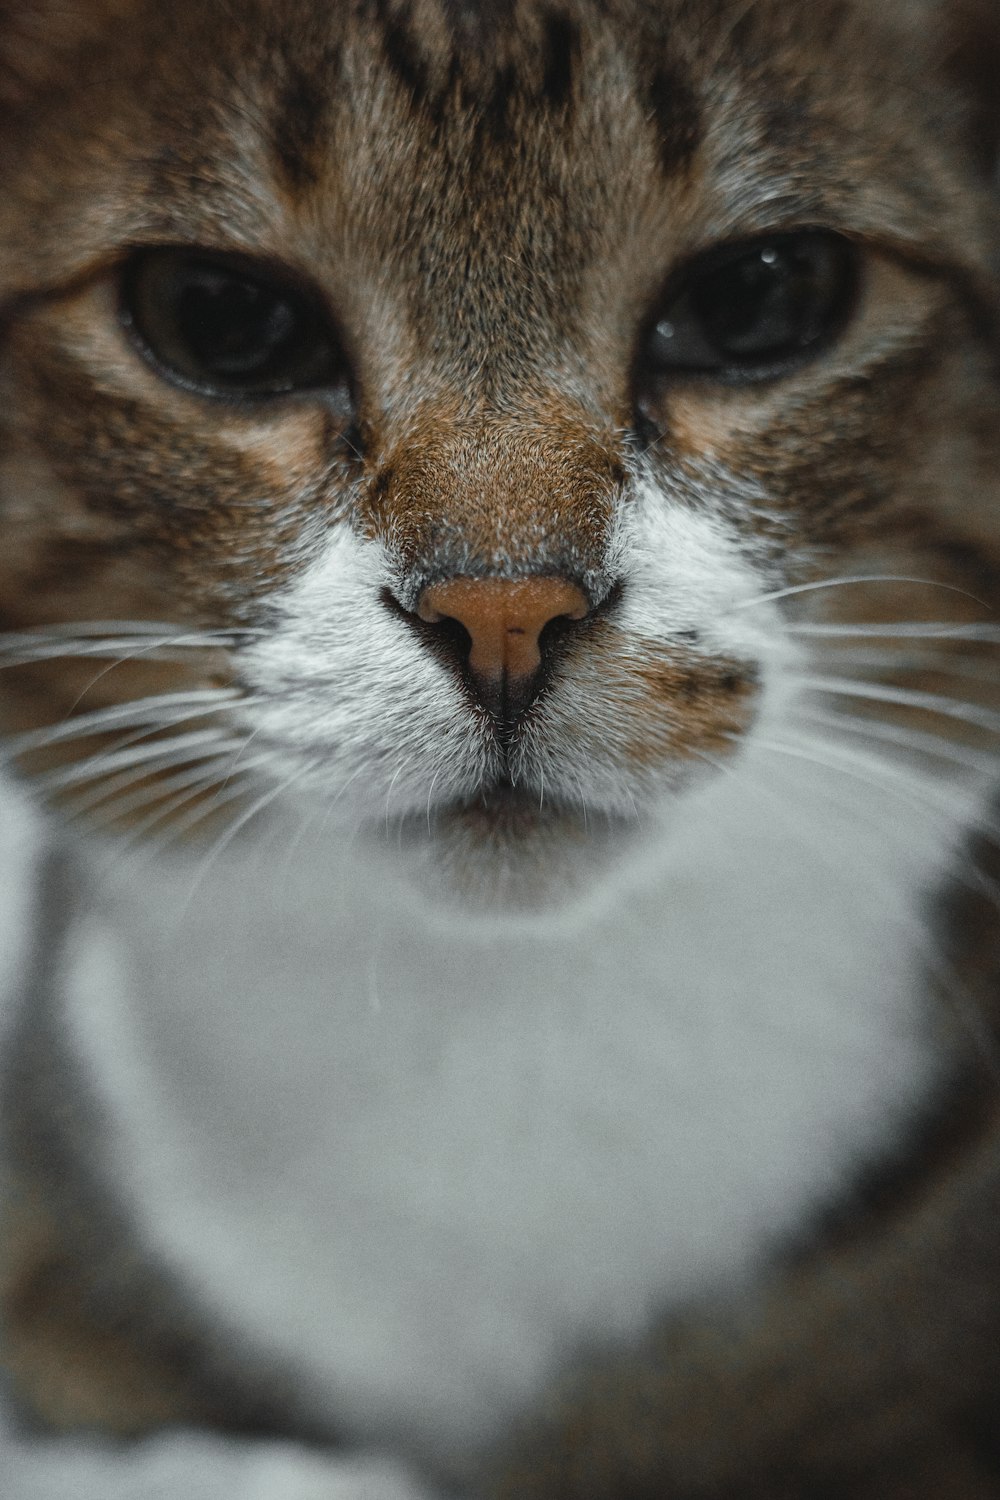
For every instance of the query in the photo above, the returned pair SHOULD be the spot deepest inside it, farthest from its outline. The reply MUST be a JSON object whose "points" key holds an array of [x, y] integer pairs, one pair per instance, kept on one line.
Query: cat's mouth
{"points": [[500, 816], [510, 847], [504, 807], [504, 816]]}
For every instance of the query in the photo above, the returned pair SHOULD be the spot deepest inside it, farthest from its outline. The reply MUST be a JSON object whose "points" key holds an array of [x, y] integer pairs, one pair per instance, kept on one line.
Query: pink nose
{"points": [[504, 619]]}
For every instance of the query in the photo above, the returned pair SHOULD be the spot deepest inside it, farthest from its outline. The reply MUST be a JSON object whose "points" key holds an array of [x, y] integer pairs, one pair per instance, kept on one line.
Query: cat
{"points": [[499, 584]]}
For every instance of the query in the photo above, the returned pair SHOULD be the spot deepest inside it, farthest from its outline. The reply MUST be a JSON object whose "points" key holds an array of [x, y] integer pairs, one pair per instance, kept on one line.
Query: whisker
{"points": [[404, 766], [174, 750], [847, 762], [906, 738], [430, 795], [905, 660], [216, 769], [139, 736], [230, 792], [929, 797], [72, 629], [119, 661], [911, 629], [24, 648], [925, 799], [859, 578], [108, 789], [935, 703], [135, 711], [332, 801], [254, 810]]}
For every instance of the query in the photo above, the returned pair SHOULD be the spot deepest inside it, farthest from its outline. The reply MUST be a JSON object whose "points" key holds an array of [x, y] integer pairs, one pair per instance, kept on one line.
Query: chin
{"points": [[508, 854]]}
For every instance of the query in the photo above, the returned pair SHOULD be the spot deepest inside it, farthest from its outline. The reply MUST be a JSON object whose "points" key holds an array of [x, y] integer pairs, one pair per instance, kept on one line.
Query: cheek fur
{"points": [[347, 685]]}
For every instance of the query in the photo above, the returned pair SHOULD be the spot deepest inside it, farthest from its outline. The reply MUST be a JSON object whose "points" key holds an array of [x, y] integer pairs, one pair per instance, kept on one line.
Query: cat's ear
{"points": [[971, 49]]}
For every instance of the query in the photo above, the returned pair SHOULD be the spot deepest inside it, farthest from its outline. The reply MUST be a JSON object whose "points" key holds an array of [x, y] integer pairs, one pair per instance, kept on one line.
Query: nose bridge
{"points": [[504, 498]]}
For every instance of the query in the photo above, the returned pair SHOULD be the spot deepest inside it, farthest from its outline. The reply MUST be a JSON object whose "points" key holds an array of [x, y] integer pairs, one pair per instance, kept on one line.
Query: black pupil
{"points": [[773, 301], [233, 326]]}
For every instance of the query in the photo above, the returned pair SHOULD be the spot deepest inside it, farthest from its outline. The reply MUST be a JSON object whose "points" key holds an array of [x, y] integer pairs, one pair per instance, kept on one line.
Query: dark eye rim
{"points": [[648, 377], [262, 268]]}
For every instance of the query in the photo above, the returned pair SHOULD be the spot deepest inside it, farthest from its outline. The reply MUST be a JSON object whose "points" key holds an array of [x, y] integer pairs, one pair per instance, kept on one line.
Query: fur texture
{"points": [[404, 1096]]}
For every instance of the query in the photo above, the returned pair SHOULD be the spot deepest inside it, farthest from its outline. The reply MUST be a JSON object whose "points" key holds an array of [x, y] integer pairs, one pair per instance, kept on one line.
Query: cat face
{"points": [[417, 408]]}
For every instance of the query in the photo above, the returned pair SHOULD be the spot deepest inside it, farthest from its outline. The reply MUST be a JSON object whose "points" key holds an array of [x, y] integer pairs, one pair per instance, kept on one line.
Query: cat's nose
{"points": [[503, 620]]}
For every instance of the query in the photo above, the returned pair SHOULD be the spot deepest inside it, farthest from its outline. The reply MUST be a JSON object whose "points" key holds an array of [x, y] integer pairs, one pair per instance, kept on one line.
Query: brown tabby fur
{"points": [[565, 156]]}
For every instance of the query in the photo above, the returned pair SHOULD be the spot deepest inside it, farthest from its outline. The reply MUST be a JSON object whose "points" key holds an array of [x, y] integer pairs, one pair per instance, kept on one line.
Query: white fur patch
{"points": [[351, 692]]}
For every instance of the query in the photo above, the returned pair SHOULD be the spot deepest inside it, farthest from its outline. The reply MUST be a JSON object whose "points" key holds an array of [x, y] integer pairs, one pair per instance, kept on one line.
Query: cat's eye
{"points": [[753, 310], [228, 326]]}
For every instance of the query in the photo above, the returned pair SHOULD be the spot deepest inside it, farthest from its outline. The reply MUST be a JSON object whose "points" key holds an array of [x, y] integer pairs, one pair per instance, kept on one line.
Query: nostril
{"points": [[451, 635], [445, 636], [553, 632]]}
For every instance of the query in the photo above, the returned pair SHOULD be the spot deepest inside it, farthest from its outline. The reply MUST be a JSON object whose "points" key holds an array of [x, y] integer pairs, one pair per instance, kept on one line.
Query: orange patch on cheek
{"points": [[688, 704], [657, 704]]}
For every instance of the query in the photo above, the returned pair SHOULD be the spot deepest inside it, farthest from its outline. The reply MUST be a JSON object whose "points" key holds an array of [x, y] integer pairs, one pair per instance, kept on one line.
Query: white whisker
{"points": [[175, 750], [254, 810], [25, 649], [228, 792], [430, 796], [910, 630], [935, 703], [108, 790], [332, 801], [84, 629], [859, 578], [905, 661], [905, 738], [216, 770], [864, 768], [147, 711], [403, 766]]}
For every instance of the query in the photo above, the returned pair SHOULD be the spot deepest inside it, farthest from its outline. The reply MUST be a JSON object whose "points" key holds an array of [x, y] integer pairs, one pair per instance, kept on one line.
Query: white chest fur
{"points": [[423, 1161]]}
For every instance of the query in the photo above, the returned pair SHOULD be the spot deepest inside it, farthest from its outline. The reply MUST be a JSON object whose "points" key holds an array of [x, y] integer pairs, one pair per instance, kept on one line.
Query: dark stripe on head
{"points": [[482, 76], [560, 52], [475, 23], [493, 119], [676, 116], [300, 119], [402, 55]]}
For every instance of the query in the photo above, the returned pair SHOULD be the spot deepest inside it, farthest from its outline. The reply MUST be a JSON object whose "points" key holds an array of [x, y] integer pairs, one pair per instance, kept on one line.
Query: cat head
{"points": [[418, 408]]}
